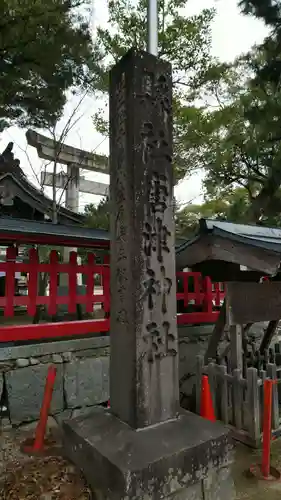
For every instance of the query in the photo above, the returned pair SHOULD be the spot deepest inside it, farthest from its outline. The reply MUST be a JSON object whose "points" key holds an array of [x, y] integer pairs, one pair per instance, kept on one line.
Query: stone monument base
{"points": [[183, 459]]}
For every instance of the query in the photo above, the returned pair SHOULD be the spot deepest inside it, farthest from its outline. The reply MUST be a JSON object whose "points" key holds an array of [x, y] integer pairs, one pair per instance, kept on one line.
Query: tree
{"points": [[235, 139], [97, 217], [231, 207], [268, 11], [45, 49], [183, 41]]}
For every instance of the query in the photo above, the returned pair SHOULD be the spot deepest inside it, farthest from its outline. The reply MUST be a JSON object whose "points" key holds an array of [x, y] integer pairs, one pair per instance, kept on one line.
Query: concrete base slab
{"points": [[179, 459]]}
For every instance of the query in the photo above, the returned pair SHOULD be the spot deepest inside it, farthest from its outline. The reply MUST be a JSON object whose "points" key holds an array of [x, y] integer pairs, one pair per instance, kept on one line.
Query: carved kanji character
{"points": [[158, 194], [162, 234], [165, 286], [152, 287]]}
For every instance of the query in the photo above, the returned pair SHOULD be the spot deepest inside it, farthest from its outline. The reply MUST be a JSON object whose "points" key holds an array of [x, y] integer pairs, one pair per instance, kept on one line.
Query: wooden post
{"points": [[223, 393], [236, 352], [216, 335], [269, 334], [253, 404], [237, 399], [199, 373], [213, 385]]}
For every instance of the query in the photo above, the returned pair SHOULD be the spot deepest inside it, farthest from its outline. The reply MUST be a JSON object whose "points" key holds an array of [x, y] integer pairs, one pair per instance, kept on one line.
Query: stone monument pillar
{"points": [[145, 447], [142, 256]]}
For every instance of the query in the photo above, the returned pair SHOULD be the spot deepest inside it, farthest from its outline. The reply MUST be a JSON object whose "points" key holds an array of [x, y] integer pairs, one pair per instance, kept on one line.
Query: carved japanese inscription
{"points": [[143, 324], [157, 235], [120, 199], [159, 340]]}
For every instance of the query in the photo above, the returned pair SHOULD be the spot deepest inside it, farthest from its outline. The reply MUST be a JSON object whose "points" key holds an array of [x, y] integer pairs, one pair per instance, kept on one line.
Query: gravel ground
{"points": [[41, 478], [251, 488]]}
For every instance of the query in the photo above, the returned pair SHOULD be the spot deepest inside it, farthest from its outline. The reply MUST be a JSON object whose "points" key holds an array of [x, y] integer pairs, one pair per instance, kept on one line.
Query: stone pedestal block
{"points": [[187, 458]]}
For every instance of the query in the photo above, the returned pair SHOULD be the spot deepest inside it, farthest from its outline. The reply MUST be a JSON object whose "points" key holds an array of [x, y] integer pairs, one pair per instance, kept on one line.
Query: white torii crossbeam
{"points": [[85, 185], [51, 150]]}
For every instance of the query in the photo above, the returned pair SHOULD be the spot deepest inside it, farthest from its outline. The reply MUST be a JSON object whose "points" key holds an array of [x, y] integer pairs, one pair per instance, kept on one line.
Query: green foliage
{"points": [[268, 11], [45, 49], [236, 139], [232, 207], [97, 217], [183, 41]]}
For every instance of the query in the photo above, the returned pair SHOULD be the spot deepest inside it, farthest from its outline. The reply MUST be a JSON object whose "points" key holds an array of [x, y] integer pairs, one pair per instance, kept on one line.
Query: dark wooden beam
{"points": [[216, 335], [252, 302], [268, 335]]}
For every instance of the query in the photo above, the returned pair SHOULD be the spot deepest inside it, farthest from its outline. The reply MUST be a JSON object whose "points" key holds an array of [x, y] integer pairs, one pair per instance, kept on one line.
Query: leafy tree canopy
{"points": [[45, 49], [235, 138], [184, 41], [97, 217], [232, 207], [268, 11]]}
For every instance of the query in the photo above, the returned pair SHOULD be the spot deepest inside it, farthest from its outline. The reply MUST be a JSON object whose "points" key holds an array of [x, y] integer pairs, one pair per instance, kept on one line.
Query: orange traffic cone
{"points": [[206, 406]]}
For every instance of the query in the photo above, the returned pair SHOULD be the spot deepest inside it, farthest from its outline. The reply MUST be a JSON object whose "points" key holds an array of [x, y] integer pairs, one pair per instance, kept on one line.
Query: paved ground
{"points": [[251, 489]]}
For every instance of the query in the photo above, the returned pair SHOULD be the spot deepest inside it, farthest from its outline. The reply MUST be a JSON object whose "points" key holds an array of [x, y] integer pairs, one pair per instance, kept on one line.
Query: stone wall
{"points": [[82, 379], [82, 374]]}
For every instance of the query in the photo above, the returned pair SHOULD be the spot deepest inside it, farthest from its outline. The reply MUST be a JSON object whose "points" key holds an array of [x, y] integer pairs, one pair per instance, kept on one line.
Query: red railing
{"points": [[206, 298], [194, 291]]}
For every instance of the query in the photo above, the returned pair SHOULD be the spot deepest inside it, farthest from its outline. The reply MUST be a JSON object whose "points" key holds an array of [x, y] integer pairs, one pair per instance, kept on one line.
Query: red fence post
{"points": [[197, 281], [72, 283], [32, 281], [208, 295], [11, 255], [106, 285], [267, 409], [42, 424], [90, 280], [54, 260], [38, 444]]}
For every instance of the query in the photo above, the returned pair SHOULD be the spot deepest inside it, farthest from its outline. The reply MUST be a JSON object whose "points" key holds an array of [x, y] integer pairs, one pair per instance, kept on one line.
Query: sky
{"points": [[232, 34]]}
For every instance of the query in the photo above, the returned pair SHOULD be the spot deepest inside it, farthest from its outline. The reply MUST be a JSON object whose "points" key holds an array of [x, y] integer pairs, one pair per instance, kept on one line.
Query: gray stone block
{"points": [[92, 353], [86, 382], [34, 361], [82, 412], [57, 358], [1, 384], [59, 346], [218, 485], [22, 362], [166, 461], [194, 492], [25, 388]]}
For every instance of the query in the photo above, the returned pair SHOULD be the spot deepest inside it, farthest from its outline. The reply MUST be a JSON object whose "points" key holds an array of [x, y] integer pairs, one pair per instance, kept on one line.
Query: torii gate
{"points": [[75, 159]]}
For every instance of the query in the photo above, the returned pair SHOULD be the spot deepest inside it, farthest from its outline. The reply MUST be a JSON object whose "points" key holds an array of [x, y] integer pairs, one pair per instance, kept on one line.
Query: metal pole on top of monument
{"points": [[152, 27]]}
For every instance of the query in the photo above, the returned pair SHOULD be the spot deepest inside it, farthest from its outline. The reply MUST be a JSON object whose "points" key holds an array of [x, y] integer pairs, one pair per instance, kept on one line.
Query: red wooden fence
{"points": [[205, 296]]}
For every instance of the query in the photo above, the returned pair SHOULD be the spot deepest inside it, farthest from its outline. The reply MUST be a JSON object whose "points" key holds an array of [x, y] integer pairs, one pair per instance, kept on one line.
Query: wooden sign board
{"points": [[253, 302]]}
